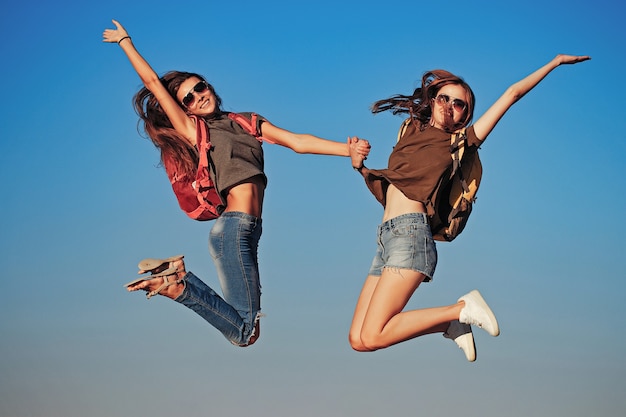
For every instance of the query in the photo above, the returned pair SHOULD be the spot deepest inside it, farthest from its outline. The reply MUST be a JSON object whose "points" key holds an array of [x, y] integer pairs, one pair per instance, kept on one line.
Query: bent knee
{"points": [[372, 340], [364, 342], [357, 344]]}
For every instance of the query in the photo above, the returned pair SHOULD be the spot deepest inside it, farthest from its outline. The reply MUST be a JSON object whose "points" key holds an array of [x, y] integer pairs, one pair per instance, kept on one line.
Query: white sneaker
{"points": [[476, 312], [462, 335]]}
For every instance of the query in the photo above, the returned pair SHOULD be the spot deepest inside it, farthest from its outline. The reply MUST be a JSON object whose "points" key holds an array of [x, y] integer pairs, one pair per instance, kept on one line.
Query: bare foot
{"points": [[172, 284]]}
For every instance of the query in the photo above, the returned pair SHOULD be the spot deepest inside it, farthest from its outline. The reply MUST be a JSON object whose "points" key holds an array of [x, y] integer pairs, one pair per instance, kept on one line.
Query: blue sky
{"points": [[83, 202]]}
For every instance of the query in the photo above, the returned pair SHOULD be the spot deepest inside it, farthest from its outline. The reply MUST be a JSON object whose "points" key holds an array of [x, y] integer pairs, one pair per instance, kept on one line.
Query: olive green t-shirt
{"points": [[235, 155]]}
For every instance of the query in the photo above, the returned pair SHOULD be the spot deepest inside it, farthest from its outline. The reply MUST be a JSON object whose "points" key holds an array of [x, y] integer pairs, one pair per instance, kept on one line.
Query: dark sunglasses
{"points": [[458, 104], [189, 98]]}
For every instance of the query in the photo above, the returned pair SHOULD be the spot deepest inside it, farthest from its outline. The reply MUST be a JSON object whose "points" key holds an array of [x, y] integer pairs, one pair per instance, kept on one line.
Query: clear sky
{"points": [[82, 201]]}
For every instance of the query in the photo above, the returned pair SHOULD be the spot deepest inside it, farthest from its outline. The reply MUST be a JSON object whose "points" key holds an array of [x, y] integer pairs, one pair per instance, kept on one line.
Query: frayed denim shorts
{"points": [[405, 242]]}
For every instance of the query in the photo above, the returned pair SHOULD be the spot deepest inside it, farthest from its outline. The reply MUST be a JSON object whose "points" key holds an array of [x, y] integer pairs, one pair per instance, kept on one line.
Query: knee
{"points": [[370, 345], [356, 344], [362, 344]]}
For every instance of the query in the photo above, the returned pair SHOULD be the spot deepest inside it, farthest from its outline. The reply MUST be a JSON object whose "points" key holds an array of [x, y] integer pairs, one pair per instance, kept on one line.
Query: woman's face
{"points": [[449, 106], [196, 96]]}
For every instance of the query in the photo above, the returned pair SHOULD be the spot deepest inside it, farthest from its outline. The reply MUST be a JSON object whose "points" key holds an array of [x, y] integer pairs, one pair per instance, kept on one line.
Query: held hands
{"points": [[115, 35], [358, 149]]}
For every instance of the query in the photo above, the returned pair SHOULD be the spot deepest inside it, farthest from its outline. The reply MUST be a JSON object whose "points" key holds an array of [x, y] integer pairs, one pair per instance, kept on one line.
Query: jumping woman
{"points": [[172, 108], [419, 164]]}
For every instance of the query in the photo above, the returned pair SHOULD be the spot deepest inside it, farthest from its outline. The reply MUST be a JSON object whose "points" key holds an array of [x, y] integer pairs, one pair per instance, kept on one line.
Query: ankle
{"points": [[459, 306], [175, 290], [180, 269]]}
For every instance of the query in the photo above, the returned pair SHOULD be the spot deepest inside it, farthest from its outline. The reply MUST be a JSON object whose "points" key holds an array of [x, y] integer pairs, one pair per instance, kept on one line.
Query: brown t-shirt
{"points": [[419, 164]]}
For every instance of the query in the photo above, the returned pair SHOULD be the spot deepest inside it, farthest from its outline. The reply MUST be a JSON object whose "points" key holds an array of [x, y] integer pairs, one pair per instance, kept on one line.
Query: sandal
{"points": [[159, 268], [150, 264]]}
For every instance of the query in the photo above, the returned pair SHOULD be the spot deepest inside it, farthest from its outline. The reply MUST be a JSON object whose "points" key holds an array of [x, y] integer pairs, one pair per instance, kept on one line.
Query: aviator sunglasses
{"points": [[189, 98], [458, 104]]}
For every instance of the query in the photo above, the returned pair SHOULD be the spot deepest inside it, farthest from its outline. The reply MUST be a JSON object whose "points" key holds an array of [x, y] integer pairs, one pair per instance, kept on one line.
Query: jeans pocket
{"points": [[430, 252], [401, 230]]}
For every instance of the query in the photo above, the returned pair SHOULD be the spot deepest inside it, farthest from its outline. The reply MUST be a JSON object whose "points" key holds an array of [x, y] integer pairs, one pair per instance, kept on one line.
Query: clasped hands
{"points": [[358, 150]]}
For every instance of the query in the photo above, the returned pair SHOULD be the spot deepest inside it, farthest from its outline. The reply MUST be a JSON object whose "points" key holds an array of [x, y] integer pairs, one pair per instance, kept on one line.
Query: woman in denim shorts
{"points": [[420, 164], [169, 107]]}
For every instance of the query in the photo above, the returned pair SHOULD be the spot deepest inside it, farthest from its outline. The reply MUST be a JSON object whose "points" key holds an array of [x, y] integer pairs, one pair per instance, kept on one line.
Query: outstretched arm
{"points": [[181, 122], [485, 124], [304, 143]]}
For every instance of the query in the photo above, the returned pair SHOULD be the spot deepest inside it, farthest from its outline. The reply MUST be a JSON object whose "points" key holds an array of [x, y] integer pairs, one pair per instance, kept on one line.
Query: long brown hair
{"points": [[158, 127], [418, 104]]}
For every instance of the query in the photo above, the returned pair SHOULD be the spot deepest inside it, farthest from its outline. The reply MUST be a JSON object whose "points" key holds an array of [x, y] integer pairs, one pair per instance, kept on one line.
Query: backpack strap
{"points": [[403, 128], [203, 142], [458, 141], [251, 125], [203, 185]]}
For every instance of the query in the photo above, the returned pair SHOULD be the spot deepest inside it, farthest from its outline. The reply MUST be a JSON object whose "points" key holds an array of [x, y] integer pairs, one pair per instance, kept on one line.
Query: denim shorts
{"points": [[405, 242]]}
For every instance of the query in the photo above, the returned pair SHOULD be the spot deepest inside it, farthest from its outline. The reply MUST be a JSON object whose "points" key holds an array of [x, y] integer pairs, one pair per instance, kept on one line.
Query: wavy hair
{"points": [[158, 127], [418, 105]]}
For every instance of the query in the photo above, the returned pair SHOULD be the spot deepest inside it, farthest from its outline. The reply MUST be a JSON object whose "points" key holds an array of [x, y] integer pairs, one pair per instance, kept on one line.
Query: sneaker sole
{"points": [[466, 343]]}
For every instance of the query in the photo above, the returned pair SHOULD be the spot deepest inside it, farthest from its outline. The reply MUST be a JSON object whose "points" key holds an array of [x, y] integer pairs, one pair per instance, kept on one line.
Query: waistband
{"points": [[240, 215], [409, 218]]}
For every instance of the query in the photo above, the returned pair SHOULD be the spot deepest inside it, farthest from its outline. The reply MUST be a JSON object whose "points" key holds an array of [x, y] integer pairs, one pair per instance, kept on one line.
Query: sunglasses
{"points": [[189, 98], [457, 104]]}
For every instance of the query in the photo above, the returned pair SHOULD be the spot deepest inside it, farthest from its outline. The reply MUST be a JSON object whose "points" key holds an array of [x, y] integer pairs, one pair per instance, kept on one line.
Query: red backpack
{"points": [[197, 195]]}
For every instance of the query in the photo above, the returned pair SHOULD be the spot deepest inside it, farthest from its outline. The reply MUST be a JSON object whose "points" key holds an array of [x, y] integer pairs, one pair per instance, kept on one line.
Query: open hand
{"points": [[114, 35], [571, 59]]}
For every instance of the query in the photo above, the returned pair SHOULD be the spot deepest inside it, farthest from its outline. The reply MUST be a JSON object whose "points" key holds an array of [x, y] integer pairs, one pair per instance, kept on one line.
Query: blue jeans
{"points": [[233, 244]]}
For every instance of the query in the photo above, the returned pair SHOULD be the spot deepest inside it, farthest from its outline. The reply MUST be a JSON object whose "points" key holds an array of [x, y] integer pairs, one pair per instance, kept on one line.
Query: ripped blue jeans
{"points": [[233, 244]]}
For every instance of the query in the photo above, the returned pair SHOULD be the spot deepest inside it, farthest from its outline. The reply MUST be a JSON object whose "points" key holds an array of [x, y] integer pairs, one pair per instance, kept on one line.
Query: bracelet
{"points": [[358, 169], [125, 37]]}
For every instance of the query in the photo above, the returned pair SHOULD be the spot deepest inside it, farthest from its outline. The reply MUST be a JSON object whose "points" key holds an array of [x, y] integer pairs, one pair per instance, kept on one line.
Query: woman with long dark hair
{"points": [[178, 111]]}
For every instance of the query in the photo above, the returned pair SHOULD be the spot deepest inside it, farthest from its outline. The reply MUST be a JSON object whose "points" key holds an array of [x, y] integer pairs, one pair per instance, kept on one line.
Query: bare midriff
{"points": [[247, 197], [399, 204]]}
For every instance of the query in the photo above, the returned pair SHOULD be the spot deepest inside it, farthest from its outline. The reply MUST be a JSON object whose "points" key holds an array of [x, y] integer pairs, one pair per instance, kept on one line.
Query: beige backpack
{"points": [[453, 203]]}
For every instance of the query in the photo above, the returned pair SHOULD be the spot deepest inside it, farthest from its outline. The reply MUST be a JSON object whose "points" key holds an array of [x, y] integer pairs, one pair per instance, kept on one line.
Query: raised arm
{"points": [[179, 119], [304, 143], [485, 124]]}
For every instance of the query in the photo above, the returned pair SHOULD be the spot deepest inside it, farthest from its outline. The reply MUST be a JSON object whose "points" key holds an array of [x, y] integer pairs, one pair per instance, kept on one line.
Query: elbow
{"points": [[514, 93], [299, 148], [152, 82]]}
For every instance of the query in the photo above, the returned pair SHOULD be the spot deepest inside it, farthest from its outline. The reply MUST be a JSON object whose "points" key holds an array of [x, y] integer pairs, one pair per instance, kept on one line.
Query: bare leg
{"points": [[379, 321], [360, 310]]}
